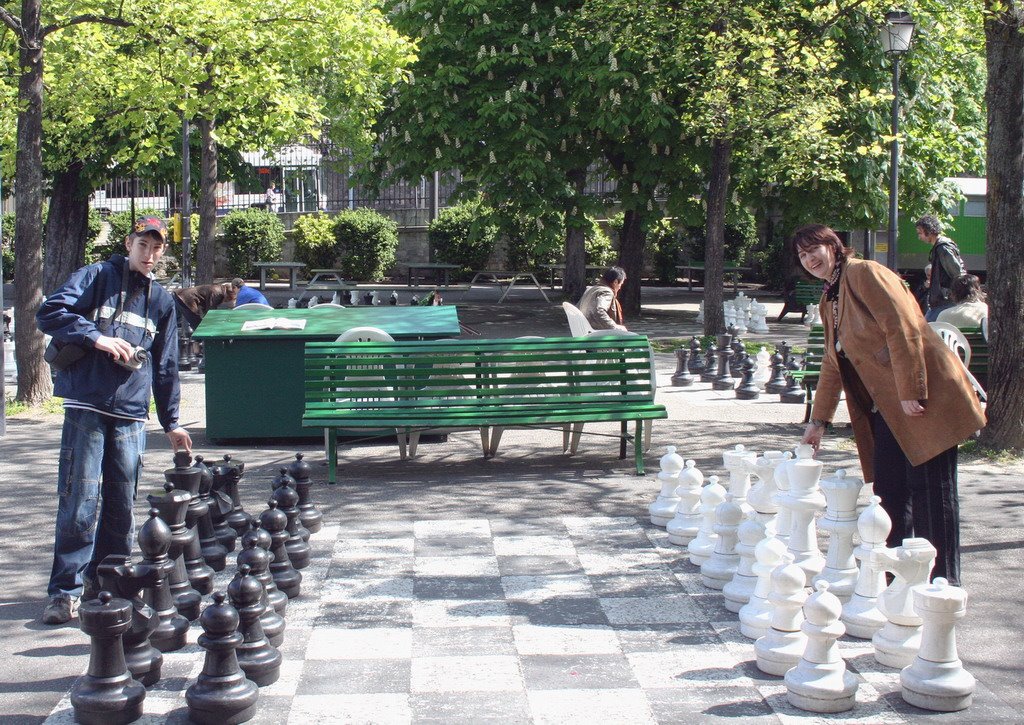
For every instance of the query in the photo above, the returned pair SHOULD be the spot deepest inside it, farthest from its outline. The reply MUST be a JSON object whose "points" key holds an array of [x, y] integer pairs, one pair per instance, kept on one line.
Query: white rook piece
{"points": [[704, 543], [720, 567], [861, 614], [684, 526], [896, 644], [756, 615], [737, 462], [937, 679], [820, 681], [784, 643], [840, 520], [804, 501], [664, 507]]}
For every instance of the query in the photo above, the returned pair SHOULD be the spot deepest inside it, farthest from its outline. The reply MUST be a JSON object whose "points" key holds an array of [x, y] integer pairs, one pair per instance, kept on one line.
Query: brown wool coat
{"points": [[204, 298], [897, 357]]}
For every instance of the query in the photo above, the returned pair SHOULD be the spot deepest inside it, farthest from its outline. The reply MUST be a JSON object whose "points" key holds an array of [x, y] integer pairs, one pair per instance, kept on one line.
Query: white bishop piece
{"points": [[784, 643], [861, 614], [684, 525], [804, 501], [820, 681], [704, 543], [896, 644], [937, 680], [663, 509], [840, 520]]}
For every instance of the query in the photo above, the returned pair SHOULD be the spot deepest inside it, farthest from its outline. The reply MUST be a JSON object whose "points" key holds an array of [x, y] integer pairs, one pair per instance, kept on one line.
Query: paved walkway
{"points": [[450, 588]]}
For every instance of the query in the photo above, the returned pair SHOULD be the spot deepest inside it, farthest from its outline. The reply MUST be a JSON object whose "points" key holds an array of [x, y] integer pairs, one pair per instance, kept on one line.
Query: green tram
{"points": [[967, 228]]}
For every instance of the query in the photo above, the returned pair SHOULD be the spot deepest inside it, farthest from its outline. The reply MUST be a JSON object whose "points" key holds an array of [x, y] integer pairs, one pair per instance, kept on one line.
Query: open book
{"points": [[274, 323]]}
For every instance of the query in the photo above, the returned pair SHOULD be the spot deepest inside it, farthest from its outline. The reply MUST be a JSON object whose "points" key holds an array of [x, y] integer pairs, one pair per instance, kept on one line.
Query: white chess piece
{"points": [[804, 501], [937, 680], [820, 681], [840, 520], [292, 303], [394, 297], [784, 518], [704, 543], [784, 643], [758, 317], [663, 509], [700, 312], [756, 615], [864, 499], [720, 567], [684, 525], [740, 588], [335, 300], [737, 461], [374, 298], [353, 297], [896, 644], [764, 368], [313, 301], [861, 614]]}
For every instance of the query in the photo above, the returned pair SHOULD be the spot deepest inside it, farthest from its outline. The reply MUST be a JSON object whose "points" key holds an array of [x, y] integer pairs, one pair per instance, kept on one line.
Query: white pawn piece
{"points": [[353, 297], [313, 301], [805, 500], [292, 303], [335, 300], [756, 615], [937, 680], [783, 645], [374, 298], [896, 644], [784, 518], [704, 543], [663, 509], [729, 312], [737, 461], [739, 589], [861, 614], [840, 520], [700, 313], [684, 525], [820, 681], [721, 566], [764, 368]]}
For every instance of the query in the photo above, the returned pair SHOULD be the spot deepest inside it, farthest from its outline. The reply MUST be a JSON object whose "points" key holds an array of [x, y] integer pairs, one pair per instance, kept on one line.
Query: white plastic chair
{"points": [[984, 328], [579, 325], [329, 304], [955, 341], [254, 306]]}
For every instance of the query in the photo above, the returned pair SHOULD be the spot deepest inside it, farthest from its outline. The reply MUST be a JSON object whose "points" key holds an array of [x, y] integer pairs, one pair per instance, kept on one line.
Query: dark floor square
{"points": [[577, 672], [641, 584], [558, 611], [454, 546], [526, 565], [469, 587], [350, 677], [387, 566]]}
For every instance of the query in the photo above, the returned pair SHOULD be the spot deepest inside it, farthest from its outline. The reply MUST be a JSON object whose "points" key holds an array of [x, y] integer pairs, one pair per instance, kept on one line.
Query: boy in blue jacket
{"points": [[117, 335]]}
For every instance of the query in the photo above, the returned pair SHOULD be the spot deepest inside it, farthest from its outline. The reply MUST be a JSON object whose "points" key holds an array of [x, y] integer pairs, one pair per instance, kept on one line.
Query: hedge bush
{"points": [[315, 245], [93, 253], [367, 241], [251, 235], [464, 234], [121, 223]]}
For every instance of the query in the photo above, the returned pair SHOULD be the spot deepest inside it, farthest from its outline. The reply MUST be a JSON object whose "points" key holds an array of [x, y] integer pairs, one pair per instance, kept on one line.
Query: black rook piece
{"points": [[118, 575], [260, 659], [107, 693], [222, 693], [309, 516], [172, 507], [682, 376], [172, 628], [288, 502], [285, 577]]}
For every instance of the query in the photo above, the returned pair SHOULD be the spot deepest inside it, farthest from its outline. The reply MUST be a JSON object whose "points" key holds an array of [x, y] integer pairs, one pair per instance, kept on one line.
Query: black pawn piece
{"points": [[285, 478], [778, 380], [154, 541], [260, 659], [173, 506], [287, 579], [309, 515], [794, 391], [739, 354], [107, 693], [696, 356], [222, 693], [710, 371], [258, 561], [220, 506], [288, 503], [682, 376], [748, 389], [186, 477], [261, 538], [724, 380], [238, 519], [214, 553], [784, 348], [120, 577]]}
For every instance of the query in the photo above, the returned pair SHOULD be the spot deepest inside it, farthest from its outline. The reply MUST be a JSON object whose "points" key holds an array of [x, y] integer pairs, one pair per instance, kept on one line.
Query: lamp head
{"points": [[897, 33]]}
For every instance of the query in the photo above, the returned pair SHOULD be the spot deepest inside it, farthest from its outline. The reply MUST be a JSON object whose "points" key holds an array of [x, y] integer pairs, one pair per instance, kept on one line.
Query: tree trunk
{"points": [[714, 246], [67, 227], [34, 383], [631, 258], [205, 257], [574, 284], [1005, 208]]}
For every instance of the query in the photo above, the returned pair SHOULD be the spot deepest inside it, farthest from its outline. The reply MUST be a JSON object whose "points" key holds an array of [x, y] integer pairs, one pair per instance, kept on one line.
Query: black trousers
{"points": [[921, 500]]}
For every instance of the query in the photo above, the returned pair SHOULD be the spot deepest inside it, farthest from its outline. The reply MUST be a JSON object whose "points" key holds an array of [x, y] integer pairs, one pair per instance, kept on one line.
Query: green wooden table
{"points": [[254, 387]]}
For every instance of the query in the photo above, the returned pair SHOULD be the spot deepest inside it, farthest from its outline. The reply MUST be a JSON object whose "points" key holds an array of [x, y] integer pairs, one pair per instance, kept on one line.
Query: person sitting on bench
{"points": [[600, 303]]}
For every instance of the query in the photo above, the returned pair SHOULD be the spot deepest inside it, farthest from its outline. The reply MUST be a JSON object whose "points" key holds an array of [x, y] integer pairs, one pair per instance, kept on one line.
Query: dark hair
{"points": [[237, 282], [613, 274], [929, 224], [966, 288], [817, 235]]}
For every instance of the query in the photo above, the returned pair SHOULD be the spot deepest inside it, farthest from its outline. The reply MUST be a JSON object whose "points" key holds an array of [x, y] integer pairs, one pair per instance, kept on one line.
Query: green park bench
{"points": [[406, 388], [805, 293]]}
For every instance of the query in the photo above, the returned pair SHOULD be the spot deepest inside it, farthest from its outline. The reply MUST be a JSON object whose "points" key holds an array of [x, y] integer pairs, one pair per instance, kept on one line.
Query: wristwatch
{"points": [[823, 424]]}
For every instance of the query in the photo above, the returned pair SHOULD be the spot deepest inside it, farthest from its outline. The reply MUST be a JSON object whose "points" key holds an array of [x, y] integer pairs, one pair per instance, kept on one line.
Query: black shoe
{"points": [[60, 610]]}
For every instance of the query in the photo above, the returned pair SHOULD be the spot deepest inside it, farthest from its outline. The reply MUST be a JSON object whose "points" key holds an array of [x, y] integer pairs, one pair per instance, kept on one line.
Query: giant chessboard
{"points": [[557, 620]]}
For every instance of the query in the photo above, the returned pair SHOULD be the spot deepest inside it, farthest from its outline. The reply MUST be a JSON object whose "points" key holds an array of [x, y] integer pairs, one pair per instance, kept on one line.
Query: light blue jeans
{"points": [[97, 477]]}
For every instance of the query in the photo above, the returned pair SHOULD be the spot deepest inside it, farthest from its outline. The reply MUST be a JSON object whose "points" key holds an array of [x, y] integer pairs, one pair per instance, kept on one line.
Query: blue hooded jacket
{"points": [[74, 313]]}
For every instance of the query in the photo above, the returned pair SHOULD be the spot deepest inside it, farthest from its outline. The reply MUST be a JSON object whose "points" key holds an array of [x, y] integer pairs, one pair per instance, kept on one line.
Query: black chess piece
{"points": [[367, 298], [107, 693], [682, 377], [238, 519], [748, 389], [260, 660], [214, 553], [777, 383], [710, 371], [287, 579], [261, 537], [154, 541], [285, 476], [222, 693], [126, 580], [173, 506], [309, 516], [794, 391], [739, 355], [724, 380], [221, 506], [258, 561], [288, 503], [784, 348], [186, 477], [696, 365]]}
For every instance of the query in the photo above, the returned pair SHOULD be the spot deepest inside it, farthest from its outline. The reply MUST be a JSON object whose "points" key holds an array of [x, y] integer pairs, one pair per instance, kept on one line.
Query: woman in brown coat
{"points": [[910, 403]]}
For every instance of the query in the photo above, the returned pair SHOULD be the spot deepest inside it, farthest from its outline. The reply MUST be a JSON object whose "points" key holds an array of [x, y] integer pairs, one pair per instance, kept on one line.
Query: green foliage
{"points": [[95, 252], [367, 241], [251, 235], [314, 241], [666, 250], [464, 234], [597, 245], [121, 224]]}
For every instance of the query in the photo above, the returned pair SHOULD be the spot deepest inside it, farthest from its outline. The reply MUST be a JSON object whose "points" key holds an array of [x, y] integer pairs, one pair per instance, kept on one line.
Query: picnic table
{"points": [[441, 267], [325, 280], [254, 384], [552, 268], [292, 267], [506, 281], [691, 267]]}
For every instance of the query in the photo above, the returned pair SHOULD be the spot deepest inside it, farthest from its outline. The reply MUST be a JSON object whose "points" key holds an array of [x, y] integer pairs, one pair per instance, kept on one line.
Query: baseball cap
{"points": [[151, 224]]}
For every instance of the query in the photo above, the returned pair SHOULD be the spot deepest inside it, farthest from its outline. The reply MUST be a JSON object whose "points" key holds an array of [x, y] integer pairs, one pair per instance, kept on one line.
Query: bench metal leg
{"points": [[332, 455], [623, 437], [577, 431], [496, 432], [648, 427], [485, 442], [414, 440], [638, 450], [403, 439], [565, 437]]}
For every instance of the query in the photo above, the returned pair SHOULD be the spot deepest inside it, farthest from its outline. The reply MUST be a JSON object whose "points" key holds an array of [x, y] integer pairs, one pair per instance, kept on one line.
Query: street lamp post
{"points": [[895, 37]]}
